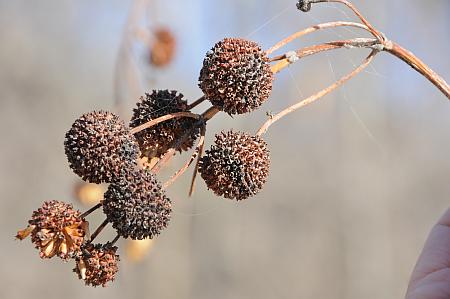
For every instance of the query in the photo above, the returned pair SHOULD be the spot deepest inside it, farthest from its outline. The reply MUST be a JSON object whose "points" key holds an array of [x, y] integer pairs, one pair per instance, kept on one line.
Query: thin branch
{"points": [[164, 159], [318, 95], [418, 65], [98, 230], [114, 240], [85, 214], [291, 57], [196, 103], [205, 116], [194, 175], [311, 30], [305, 5], [200, 144], [161, 119], [208, 114]]}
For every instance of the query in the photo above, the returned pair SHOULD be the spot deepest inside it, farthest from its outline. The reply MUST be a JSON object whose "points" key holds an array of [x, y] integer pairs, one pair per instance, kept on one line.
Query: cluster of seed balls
{"points": [[236, 78]]}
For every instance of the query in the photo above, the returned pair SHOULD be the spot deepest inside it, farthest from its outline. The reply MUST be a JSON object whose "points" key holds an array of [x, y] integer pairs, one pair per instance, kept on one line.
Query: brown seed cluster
{"points": [[98, 265], [137, 206], [155, 141], [98, 146], [236, 76], [236, 166], [162, 50], [56, 230]]}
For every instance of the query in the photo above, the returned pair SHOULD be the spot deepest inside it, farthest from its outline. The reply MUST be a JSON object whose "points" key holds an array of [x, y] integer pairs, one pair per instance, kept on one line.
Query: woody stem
{"points": [[85, 214], [98, 230], [417, 64], [312, 29]]}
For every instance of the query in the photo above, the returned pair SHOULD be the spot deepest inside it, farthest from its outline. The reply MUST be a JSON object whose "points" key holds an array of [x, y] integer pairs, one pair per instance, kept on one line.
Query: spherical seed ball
{"points": [[236, 76], [99, 145], [236, 166], [137, 206], [56, 229], [98, 265], [156, 140]]}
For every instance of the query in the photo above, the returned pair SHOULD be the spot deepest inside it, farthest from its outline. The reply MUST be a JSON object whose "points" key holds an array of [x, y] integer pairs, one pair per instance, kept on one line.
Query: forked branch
{"points": [[316, 96]]}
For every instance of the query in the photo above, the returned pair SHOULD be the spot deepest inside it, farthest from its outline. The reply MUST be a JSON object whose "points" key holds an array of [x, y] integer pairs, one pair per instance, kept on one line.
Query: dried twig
{"points": [[196, 103], [418, 65], [163, 118], [91, 210], [98, 230], [305, 5], [311, 30], [291, 57], [196, 153], [318, 95]]}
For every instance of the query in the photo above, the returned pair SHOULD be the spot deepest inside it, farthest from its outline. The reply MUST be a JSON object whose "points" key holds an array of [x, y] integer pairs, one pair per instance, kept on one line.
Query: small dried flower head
{"points": [[97, 265], [304, 5], [236, 166], [137, 206], [156, 140], [56, 230], [98, 146], [236, 76], [162, 50]]}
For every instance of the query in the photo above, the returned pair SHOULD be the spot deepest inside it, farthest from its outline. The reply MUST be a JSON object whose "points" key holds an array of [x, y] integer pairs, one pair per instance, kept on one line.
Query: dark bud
{"points": [[304, 5]]}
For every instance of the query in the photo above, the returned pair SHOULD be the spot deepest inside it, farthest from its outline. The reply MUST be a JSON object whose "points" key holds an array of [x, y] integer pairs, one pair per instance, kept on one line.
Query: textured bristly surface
{"points": [[236, 76], [236, 166]]}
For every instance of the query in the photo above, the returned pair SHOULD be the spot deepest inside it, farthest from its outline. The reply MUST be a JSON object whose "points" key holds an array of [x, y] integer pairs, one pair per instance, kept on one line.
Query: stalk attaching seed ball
{"points": [[236, 76], [156, 140], [236, 166], [99, 145], [56, 229], [97, 265], [137, 206]]}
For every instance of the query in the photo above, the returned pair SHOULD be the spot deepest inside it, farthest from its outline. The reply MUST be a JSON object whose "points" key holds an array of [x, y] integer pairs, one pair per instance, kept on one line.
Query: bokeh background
{"points": [[357, 179]]}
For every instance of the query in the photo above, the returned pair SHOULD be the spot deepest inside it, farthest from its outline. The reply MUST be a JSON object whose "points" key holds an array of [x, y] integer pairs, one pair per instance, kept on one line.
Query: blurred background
{"points": [[357, 179]]}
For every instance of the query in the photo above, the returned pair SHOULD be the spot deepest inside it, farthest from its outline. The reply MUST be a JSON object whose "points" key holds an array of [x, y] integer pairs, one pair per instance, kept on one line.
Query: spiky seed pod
{"points": [[236, 76], [155, 141], [137, 205], [236, 166], [99, 145], [98, 265], [56, 230], [162, 50]]}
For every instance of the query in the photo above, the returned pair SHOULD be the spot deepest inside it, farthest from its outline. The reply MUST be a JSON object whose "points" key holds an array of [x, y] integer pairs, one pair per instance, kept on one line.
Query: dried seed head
{"points": [[56, 230], [98, 265], [236, 166], [98, 146], [137, 205], [156, 140], [162, 50], [236, 76], [304, 5]]}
